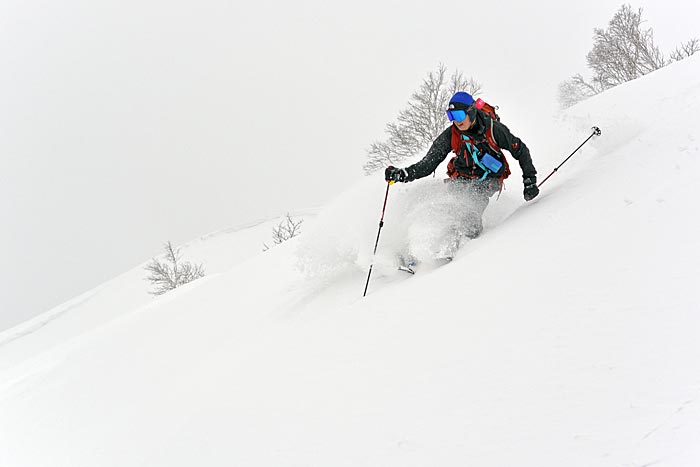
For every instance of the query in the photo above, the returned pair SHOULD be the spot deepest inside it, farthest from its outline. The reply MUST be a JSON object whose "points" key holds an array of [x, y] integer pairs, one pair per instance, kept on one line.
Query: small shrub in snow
{"points": [[172, 272], [288, 228]]}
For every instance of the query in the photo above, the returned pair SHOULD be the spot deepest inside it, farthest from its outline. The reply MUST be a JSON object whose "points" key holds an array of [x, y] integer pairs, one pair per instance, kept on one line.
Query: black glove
{"points": [[531, 189], [395, 174]]}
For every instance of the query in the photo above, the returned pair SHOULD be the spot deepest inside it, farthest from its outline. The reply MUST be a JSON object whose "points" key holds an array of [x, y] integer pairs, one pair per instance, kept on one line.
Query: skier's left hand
{"points": [[531, 189]]}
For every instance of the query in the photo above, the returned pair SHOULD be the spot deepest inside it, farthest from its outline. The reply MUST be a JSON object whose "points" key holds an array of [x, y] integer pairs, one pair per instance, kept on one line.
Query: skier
{"points": [[479, 167]]}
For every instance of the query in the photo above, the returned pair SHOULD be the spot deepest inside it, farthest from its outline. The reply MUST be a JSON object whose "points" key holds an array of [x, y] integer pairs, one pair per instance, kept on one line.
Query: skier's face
{"points": [[464, 124]]}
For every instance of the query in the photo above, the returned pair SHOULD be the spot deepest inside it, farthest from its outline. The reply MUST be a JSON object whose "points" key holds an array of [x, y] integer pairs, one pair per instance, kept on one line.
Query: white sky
{"points": [[125, 124]]}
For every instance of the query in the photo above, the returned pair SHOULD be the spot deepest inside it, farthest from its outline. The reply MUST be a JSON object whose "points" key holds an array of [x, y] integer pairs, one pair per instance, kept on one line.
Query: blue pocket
{"points": [[491, 163]]}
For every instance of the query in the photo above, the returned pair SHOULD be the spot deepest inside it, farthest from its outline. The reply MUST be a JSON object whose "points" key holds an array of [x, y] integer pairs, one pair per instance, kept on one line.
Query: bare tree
{"points": [[285, 230], [625, 50], [421, 121], [173, 272], [622, 52]]}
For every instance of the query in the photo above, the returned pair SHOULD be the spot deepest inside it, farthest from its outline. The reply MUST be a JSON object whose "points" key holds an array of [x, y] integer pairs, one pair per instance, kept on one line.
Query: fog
{"points": [[127, 124]]}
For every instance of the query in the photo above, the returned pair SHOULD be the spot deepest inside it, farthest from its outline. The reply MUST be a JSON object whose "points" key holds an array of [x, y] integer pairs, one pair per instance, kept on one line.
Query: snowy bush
{"points": [[288, 228], [172, 272], [685, 50], [421, 121]]}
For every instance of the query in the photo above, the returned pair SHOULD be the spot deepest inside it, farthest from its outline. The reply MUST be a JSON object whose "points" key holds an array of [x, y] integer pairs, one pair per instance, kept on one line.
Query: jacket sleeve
{"points": [[511, 143], [437, 153]]}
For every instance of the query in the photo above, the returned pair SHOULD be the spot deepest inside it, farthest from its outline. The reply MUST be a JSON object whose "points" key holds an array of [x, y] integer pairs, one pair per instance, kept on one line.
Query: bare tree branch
{"points": [[685, 50], [578, 89]]}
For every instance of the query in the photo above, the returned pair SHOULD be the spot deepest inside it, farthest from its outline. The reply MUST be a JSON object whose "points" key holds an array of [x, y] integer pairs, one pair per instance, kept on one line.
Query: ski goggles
{"points": [[456, 115]]}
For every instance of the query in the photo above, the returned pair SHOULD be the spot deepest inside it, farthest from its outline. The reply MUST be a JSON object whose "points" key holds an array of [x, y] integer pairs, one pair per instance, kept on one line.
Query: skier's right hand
{"points": [[394, 174]]}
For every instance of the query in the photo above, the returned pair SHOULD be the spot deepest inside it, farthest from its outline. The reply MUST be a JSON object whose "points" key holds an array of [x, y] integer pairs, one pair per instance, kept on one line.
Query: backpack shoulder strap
{"points": [[490, 139], [492, 143]]}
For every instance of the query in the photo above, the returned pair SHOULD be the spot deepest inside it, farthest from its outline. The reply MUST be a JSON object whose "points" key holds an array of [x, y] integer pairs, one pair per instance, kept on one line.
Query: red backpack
{"points": [[487, 108]]}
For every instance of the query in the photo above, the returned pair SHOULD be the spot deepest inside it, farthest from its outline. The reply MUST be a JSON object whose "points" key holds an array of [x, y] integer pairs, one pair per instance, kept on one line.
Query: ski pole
{"points": [[381, 224], [596, 132]]}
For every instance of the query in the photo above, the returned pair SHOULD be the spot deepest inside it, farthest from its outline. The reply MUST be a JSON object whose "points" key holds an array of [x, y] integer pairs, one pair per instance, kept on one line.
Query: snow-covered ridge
{"points": [[219, 251], [565, 335], [42, 320]]}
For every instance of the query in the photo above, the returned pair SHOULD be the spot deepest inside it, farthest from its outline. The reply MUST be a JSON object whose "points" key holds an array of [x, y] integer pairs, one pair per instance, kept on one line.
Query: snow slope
{"points": [[218, 251], [565, 335]]}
